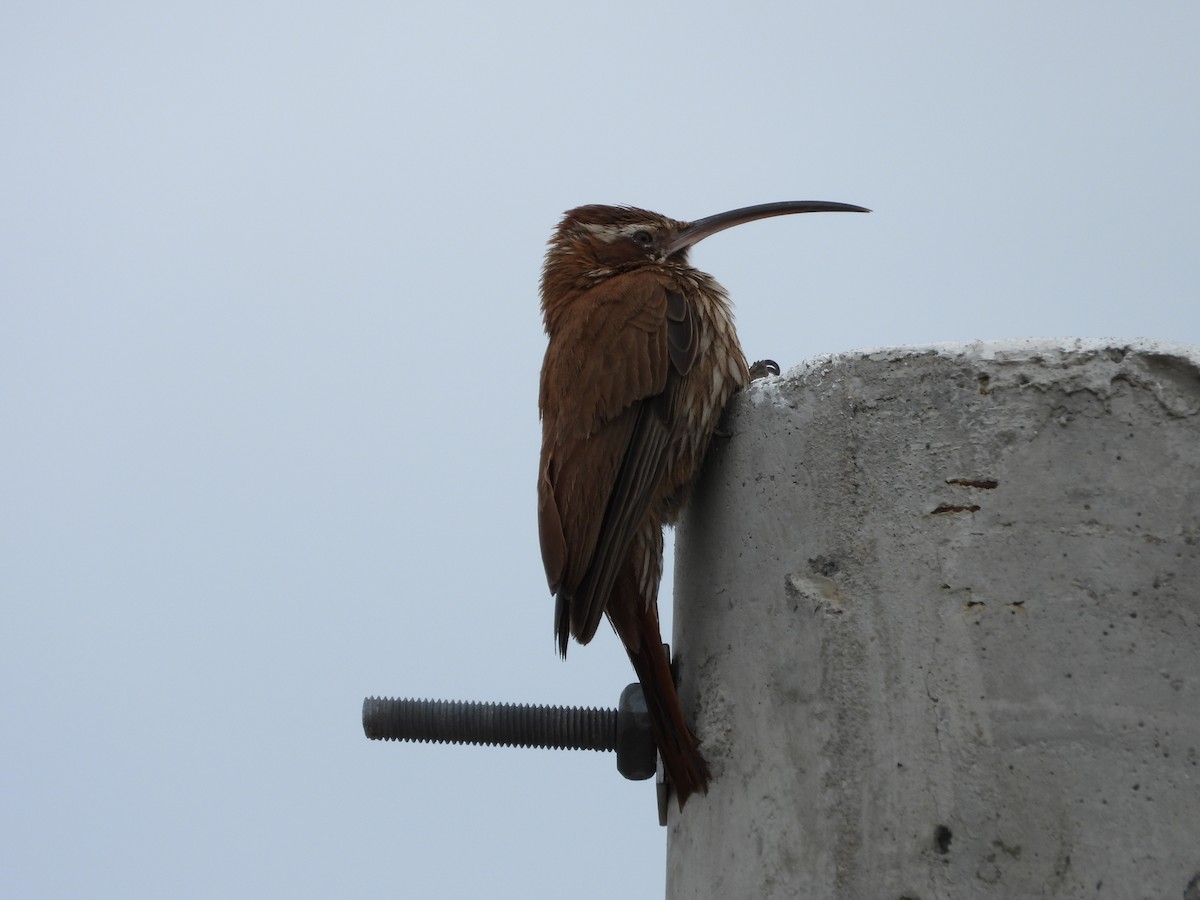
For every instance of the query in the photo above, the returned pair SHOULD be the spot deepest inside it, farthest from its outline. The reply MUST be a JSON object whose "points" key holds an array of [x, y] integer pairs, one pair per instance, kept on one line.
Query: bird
{"points": [[641, 360]]}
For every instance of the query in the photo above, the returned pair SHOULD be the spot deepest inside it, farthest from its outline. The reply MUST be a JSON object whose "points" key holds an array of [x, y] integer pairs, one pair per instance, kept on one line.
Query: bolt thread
{"points": [[507, 724]]}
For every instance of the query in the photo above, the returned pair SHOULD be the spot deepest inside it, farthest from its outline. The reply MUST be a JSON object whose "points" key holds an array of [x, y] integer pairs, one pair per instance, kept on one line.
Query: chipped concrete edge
{"points": [[1171, 370]]}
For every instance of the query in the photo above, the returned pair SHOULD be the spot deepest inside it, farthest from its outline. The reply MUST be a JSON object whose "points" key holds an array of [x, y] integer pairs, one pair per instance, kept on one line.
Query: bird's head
{"points": [[595, 242]]}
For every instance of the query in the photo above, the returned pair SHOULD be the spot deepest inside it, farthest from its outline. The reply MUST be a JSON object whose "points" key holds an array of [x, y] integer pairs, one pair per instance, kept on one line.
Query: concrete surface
{"points": [[938, 621]]}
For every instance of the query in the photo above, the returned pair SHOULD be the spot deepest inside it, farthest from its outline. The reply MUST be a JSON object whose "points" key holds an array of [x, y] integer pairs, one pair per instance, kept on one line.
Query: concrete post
{"points": [[938, 622]]}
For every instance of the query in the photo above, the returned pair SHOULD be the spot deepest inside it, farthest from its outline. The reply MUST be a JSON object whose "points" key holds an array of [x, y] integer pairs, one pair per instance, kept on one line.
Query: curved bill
{"points": [[702, 228]]}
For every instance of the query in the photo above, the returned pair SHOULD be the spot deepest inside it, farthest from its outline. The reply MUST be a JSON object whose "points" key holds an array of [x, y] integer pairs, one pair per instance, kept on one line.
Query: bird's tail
{"points": [[636, 623]]}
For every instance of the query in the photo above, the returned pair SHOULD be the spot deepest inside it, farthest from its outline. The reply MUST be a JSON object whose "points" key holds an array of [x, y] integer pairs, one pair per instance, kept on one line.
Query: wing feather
{"points": [[608, 395]]}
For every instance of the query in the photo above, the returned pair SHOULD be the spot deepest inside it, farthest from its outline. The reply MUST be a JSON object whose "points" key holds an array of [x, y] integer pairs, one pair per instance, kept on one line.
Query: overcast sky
{"points": [[269, 348]]}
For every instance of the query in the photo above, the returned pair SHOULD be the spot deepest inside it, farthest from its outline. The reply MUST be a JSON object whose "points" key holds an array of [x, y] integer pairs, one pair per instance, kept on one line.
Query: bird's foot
{"points": [[763, 368]]}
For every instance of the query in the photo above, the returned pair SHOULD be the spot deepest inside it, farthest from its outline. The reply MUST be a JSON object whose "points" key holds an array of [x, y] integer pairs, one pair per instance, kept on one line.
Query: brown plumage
{"points": [[642, 359]]}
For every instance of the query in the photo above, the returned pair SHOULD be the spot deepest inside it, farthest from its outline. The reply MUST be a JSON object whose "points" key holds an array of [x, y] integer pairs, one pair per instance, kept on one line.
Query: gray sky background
{"points": [[269, 348]]}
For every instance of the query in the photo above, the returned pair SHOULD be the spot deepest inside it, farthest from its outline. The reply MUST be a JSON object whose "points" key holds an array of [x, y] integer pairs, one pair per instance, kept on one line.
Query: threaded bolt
{"points": [[506, 724], [625, 729]]}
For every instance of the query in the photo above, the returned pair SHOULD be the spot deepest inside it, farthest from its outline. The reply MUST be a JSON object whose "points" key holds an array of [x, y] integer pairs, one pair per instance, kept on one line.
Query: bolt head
{"points": [[637, 755]]}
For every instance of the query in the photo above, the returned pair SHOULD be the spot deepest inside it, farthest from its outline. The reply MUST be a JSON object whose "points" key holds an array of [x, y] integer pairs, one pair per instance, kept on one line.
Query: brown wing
{"points": [[609, 384]]}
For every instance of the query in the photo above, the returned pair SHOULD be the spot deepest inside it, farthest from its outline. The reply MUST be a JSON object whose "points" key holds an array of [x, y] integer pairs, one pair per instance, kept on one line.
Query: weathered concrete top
{"points": [[1170, 370]]}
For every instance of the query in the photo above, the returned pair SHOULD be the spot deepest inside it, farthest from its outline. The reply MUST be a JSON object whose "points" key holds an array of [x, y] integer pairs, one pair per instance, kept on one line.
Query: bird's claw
{"points": [[763, 368]]}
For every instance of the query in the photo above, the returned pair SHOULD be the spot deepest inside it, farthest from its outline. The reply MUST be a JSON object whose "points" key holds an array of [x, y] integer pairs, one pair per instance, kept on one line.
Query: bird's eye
{"points": [[642, 237]]}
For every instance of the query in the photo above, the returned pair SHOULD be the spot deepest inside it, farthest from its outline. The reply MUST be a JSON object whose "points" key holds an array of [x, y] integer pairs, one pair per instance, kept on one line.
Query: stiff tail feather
{"points": [[636, 624]]}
